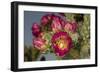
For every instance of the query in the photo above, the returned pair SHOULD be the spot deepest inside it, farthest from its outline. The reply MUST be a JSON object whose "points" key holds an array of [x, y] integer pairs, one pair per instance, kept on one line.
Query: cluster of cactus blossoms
{"points": [[57, 28]]}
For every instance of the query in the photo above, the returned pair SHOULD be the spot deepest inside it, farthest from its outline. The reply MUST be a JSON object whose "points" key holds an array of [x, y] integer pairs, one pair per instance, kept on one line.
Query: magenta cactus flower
{"points": [[71, 26], [35, 29], [40, 44], [61, 43], [57, 24], [45, 19]]}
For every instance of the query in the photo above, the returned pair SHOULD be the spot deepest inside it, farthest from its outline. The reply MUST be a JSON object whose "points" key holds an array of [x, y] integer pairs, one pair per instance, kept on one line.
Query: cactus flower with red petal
{"points": [[71, 26], [46, 19], [40, 44], [35, 29], [61, 43], [57, 24]]}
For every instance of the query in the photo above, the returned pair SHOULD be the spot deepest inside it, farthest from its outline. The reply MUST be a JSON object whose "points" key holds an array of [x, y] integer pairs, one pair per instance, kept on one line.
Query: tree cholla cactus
{"points": [[67, 35]]}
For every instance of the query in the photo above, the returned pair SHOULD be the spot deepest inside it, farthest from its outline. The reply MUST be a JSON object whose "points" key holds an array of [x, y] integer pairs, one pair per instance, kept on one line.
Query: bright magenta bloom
{"points": [[57, 23], [40, 44], [35, 29], [61, 43], [46, 19]]}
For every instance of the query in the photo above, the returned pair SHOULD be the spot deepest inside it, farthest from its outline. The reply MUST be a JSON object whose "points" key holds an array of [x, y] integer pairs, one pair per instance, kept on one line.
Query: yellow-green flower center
{"points": [[61, 43]]}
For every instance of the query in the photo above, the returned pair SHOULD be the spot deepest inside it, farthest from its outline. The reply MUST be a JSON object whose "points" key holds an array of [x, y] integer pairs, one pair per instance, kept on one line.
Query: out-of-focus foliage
{"points": [[85, 34], [30, 53]]}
